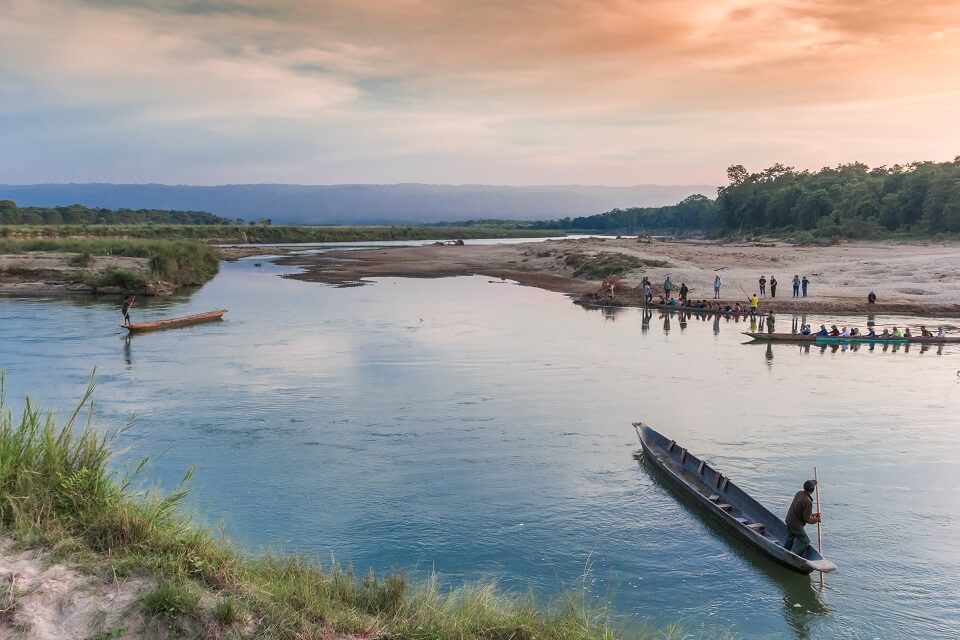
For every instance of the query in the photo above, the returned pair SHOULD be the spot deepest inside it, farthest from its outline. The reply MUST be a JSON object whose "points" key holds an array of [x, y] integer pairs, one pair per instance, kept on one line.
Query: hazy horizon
{"points": [[605, 92]]}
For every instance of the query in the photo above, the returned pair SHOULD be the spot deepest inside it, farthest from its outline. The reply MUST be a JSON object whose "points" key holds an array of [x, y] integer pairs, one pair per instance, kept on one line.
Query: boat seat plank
{"points": [[725, 506], [714, 498]]}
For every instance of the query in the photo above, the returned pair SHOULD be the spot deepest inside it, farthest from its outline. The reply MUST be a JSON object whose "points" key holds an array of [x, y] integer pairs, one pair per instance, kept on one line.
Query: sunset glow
{"points": [[599, 92]]}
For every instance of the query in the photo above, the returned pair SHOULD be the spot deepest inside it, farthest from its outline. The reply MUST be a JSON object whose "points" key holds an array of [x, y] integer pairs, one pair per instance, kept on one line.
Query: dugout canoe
{"points": [[172, 323], [841, 340], [796, 337], [726, 503], [780, 337]]}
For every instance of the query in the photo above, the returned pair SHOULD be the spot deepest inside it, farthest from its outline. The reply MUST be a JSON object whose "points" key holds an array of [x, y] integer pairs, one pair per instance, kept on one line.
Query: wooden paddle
{"points": [[819, 528]]}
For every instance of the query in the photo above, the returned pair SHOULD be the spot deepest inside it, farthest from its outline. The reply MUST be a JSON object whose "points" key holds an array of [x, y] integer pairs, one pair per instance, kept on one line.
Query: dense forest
{"points": [[11, 214], [851, 200], [695, 213]]}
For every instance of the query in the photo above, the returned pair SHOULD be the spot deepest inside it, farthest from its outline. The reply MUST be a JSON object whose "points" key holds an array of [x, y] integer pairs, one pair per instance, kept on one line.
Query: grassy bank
{"points": [[178, 263], [57, 493], [267, 233]]}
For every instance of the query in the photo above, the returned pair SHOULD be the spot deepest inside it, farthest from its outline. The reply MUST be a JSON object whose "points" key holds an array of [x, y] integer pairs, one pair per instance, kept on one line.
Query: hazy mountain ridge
{"points": [[358, 203]]}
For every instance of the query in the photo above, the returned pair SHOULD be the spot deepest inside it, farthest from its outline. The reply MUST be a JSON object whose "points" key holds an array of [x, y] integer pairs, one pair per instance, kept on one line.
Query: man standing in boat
{"points": [[799, 515], [125, 308]]}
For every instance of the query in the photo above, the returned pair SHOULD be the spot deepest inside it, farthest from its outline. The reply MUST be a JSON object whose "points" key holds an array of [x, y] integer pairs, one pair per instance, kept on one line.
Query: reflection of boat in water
{"points": [[172, 323], [727, 504]]}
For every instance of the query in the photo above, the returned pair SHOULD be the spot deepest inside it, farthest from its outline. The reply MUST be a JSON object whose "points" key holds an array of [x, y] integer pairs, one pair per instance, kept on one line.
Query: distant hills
{"points": [[358, 203]]}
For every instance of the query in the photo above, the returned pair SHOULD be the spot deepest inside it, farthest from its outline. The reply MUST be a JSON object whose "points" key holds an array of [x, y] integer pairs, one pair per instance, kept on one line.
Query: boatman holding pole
{"points": [[125, 308], [799, 515]]}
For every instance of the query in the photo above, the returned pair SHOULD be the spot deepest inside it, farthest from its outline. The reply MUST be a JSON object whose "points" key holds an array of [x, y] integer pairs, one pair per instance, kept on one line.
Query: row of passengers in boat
{"points": [[871, 333], [703, 305]]}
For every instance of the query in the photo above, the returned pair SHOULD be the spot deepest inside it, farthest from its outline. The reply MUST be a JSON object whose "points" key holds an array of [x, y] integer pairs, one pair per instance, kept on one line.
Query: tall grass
{"points": [[182, 263], [57, 491]]}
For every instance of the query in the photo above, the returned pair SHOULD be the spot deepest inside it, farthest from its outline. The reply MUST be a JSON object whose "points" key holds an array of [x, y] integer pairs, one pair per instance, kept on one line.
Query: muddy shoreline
{"points": [[920, 278]]}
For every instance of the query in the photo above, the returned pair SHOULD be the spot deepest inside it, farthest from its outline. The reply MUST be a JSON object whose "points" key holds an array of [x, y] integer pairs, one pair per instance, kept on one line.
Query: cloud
{"points": [[451, 90]]}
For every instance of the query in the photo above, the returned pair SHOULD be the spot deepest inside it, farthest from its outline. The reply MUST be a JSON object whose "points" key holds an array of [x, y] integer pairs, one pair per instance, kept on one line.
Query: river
{"points": [[482, 430]]}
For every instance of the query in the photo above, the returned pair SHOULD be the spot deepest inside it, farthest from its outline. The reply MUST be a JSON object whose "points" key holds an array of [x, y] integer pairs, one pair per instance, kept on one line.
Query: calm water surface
{"points": [[482, 430]]}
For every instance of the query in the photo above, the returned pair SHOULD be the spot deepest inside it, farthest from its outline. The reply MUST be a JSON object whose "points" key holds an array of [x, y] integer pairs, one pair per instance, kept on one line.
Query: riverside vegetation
{"points": [[168, 264], [265, 234], [59, 495], [920, 199]]}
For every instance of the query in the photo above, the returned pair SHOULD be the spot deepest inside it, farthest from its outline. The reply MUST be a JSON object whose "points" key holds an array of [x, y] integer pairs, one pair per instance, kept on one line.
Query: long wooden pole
{"points": [[819, 528]]}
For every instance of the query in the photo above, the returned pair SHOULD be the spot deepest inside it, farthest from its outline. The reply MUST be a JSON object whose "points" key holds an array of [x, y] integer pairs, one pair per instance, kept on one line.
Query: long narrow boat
{"points": [[780, 337], [694, 311], [726, 503], [842, 340], [172, 323], [797, 337]]}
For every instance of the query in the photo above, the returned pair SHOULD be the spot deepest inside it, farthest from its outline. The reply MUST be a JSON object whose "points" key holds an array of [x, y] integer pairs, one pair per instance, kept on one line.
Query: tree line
{"points": [[695, 213], [850, 200], [11, 214]]}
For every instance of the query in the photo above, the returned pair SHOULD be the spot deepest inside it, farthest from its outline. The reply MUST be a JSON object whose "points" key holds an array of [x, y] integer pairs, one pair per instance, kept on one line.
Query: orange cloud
{"points": [[569, 90]]}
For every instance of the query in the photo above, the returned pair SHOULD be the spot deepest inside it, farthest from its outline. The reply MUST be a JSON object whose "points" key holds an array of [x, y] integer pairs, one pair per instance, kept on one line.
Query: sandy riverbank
{"points": [[921, 277]]}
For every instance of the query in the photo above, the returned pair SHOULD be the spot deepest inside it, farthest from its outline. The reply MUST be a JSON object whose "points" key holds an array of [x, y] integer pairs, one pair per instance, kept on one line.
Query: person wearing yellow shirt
{"points": [[754, 303]]}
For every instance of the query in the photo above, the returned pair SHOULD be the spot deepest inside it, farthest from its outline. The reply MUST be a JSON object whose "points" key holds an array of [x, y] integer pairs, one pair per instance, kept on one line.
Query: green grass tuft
{"points": [[171, 600]]}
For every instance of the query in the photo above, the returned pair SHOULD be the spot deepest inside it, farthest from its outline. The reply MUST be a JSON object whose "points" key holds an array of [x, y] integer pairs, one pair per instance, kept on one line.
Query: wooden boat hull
{"points": [[731, 507], [796, 337], [780, 337], [173, 323], [841, 340]]}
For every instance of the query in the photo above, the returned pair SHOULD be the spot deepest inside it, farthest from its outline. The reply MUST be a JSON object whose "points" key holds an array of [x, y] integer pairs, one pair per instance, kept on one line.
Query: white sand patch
{"points": [[51, 602]]}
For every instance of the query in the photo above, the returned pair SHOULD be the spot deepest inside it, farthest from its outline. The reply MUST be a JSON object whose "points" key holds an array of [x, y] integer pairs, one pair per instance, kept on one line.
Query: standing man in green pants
{"points": [[799, 515]]}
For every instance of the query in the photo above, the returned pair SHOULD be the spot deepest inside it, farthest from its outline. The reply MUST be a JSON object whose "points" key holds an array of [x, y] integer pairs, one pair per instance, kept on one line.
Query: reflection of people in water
{"points": [[127, 356]]}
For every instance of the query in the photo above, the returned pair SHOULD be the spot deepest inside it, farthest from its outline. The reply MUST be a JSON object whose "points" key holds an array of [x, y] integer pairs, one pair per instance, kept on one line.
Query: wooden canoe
{"points": [[172, 323], [780, 337], [796, 337], [726, 503]]}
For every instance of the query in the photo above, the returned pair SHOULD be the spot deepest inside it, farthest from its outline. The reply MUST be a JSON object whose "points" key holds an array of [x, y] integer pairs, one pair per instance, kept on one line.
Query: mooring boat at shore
{"points": [[799, 337], [726, 503], [173, 323]]}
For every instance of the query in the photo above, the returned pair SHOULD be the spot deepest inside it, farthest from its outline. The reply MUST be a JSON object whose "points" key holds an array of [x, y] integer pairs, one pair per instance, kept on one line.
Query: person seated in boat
{"points": [[834, 331], [823, 331], [906, 333], [661, 300], [940, 333], [925, 332], [736, 307], [805, 331], [854, 332], [885, 333], [871, 333], [844, 333], [896, 333], [672, 302], [799, 515], [871, 298]]}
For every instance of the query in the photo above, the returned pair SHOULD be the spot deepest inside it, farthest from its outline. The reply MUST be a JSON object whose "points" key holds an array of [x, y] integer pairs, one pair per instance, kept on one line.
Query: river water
{"points": [[482, 430]]}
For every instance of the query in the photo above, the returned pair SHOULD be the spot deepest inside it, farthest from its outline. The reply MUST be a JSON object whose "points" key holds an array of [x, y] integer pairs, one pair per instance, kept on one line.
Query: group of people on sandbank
{"points": [[800, 286], [854, 332]]}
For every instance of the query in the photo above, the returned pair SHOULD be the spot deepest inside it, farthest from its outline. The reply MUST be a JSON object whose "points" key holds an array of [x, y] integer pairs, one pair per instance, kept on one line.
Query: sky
{"points": [[454, 91]]}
